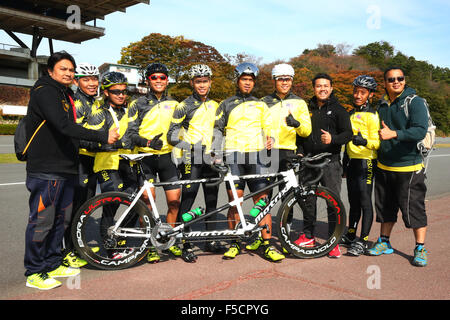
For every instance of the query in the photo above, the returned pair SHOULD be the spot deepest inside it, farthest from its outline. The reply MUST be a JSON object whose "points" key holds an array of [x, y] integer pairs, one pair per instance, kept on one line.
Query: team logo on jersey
{"points": [[65, 105]]}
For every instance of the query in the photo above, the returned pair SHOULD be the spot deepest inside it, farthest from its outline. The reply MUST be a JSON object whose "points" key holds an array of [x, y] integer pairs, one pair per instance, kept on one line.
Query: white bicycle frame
{"points": [[289, 178]]}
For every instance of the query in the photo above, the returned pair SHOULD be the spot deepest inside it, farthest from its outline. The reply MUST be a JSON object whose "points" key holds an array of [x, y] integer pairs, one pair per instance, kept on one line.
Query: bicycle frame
{"points": [[246, 229]]}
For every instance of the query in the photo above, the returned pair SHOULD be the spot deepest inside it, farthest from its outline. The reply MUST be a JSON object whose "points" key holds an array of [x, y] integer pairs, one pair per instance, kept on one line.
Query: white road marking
{"points": [[11, 184]]}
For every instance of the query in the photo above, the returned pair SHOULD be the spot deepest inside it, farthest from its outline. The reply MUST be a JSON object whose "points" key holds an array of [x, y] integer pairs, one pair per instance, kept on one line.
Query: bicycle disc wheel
{"points": [[327, 227], [93, 236]]}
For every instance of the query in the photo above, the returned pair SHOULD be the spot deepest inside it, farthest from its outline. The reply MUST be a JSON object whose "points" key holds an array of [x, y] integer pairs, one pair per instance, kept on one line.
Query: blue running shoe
{"points": [[381, 247], [420, 256]]}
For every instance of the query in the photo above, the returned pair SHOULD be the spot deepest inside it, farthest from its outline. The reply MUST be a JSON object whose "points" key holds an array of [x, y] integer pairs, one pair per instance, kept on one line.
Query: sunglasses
{"points": [[283, 79], [155, 77], [392, 80], [118, 92]]}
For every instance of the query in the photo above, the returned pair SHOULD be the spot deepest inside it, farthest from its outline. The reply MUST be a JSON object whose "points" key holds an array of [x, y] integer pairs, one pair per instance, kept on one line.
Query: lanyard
{"points": [[73, 108]]}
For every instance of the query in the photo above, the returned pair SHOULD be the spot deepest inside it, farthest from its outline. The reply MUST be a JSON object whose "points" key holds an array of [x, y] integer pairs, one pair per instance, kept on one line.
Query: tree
{"points": [[377, 53], [177, 53]]}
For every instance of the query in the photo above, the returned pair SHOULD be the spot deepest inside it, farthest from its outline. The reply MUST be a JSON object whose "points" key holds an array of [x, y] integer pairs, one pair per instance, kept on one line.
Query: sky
{"points": [[273, 29]]}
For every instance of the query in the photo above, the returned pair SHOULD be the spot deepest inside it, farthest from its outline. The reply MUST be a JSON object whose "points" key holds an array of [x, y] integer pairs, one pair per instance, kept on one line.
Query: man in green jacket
{"points": [[400, 177]]}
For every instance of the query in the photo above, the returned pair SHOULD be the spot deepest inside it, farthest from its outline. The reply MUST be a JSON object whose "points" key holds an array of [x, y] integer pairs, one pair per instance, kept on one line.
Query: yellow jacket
{"points": [[279, 109], [150, 118], [366, 121], [245, 123], [193, 121]]}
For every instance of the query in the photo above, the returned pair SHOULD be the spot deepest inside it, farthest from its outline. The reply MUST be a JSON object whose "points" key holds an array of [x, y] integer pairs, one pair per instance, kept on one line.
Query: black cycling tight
{"points": [[189, 193], [360, 177]]}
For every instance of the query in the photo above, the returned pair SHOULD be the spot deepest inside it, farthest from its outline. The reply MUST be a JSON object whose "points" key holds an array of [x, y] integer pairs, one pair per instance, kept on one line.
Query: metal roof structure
{"points": [[52, 18]]}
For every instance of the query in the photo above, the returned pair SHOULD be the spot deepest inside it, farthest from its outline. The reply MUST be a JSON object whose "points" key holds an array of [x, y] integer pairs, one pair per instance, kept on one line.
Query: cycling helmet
{"points": [[246, 68], [113, 78], [156, 68], [200, 70], [283, 69], [365, 82], [85, 70]]}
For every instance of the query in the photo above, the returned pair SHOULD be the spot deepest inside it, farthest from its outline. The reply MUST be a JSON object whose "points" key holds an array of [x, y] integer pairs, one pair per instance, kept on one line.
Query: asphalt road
{"points": [[247, 276]]}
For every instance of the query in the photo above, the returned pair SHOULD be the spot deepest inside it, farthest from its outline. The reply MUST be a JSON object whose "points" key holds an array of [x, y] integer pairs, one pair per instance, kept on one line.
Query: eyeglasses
{"points": [[283, 79], [392, 80], [118, 92], [155, 77]]}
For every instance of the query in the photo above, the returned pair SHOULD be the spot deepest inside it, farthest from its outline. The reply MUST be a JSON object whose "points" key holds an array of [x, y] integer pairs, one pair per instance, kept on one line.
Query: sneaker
{"points": [[303, 241], [420, 256], [42, 281], [335, 253], [188, 254], [72, 260], [64, 271], [153, 256], [272, 254], [255, 245], [233, 251], [347, 240], [381, 247], [357, 248], [175, 250], [214, 246]]}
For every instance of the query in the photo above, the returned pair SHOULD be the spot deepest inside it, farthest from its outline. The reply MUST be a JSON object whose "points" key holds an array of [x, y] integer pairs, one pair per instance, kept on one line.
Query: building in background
{"points": [[65, 20]]}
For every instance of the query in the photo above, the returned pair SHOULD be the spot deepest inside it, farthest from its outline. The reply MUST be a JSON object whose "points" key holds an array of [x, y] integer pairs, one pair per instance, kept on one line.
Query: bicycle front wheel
{"points": [[96, 240], [318, 213]]}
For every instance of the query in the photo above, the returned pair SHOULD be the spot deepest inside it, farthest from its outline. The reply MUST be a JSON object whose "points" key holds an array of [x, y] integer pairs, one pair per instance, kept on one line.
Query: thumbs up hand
{"points": [[113, 135], [291, 122], [325, 137], [386, 133], [358, 140]]}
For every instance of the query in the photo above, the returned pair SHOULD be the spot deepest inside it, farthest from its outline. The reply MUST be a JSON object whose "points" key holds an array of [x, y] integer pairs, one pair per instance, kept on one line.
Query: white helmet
{"points": [[283, 69], [86, 69], [200, 70]]}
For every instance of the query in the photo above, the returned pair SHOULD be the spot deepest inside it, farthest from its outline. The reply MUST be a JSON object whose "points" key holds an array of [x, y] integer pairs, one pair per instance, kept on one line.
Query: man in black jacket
{"points": [[331, 129], [52, 169]]}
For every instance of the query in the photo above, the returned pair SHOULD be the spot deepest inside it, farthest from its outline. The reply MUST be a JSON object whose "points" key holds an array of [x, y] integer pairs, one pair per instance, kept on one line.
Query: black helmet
{"points": [[156, 68], [365, 82], [113, 78]]}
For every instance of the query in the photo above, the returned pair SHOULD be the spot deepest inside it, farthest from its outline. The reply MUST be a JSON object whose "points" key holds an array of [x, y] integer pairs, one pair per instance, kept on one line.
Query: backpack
{"points": [[20, 139], [426, 145]]}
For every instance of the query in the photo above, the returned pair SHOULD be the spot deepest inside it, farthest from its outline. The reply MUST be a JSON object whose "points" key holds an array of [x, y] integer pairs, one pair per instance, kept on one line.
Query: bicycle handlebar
{"points": [[222, 170], [318, 162]]}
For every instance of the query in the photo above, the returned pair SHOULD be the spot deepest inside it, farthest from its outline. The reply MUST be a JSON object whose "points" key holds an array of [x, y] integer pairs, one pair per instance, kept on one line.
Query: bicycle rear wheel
{"points": [[93, 237], [328, 227]]}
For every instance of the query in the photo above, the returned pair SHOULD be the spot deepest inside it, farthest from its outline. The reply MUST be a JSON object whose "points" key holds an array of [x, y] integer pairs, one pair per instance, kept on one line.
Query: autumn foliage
{"points": [[179, 54], [15, 96]]}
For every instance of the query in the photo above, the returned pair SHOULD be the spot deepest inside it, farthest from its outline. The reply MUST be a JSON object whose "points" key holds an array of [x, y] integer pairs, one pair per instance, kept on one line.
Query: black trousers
{"points": [[50, 212], [191, 170], [85, 189], [332, 179], [360, 180]]}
